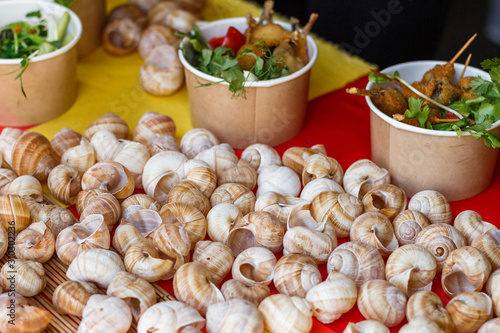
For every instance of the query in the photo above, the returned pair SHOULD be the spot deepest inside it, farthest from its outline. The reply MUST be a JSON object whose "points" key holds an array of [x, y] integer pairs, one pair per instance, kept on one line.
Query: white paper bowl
{"points": [[273, 111], [49, 81], [422, 159]]}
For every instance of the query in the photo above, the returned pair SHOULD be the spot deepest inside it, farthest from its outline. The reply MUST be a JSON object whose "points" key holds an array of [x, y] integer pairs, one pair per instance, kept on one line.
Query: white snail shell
{"points": [[104, 314], [283, 313], [295, 275], [254, 265], [261, 155], [433, 204], [408, 224], [428, 304], [362, 176], [231, 316], [165, 316], [471, 225], [278, 179], [387, 199], [375, 229], [469, 311]]}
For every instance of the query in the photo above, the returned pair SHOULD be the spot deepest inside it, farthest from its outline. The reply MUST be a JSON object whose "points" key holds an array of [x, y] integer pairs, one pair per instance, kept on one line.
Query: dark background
{"points": [[386, 32]]}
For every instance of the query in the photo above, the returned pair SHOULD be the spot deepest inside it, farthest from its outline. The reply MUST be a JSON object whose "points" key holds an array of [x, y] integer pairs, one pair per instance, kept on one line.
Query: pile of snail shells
{"points": [[149, 27], [151, 208]]}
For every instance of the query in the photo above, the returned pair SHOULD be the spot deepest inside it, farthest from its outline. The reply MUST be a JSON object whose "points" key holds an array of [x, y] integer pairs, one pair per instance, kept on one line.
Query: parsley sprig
{"points": [[221, 62]]}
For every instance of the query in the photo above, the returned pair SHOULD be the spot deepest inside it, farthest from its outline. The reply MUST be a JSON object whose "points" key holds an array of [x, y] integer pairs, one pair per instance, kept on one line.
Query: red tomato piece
{"points": [[233, 40], [216, 41]]}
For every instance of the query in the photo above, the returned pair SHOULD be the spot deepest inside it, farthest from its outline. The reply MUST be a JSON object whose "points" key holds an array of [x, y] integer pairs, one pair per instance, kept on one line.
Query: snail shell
{"points": [[339, 208], [104, 314], [278, 205], [433, 204], [493, 290], [322, 166], [187, 192], [98, 201], [375, 229], [137, 202], [36, 243], [260, 155], [491, 326], [63, 140], [360, 261], [136, 292], [8, 138], [295, 157], [231, 316], [387, 199], [173, 241], [196, 141], [421, 324], [216, 256], [253, 293], [242, 173], [91, 233], [283, 313], [6, 177], [441, 239], [316, 186], [25, 186], [25, 277], [161, 316], [469, 311], [147, 221], [465, 269], [81, 157], [109, 121], [186, 217], [192, 286], [380, 300], [202, 175], [411, 268], [144, 261], [332, 298], [14, 212], [426, 303], [33, 319], [4, 241], [362, 176], [70, 297], [489, 245], [133, 156], [89, 266], [221, 219], [220, 158], [133, 10], [408, 224], [126, 235], [295, 275], [471, 225], [155, 35], [254, 265], [278, 179], [121, 36], [110, 176], [366, 326], [163, 143], [162, 172], [65, 182], [257, 229], [236, 194], [57, 218], [153, 125]]}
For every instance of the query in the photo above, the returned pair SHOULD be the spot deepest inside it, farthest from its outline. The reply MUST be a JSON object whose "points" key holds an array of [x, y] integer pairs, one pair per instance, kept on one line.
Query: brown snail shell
{"points": [[257, 229], [14, 213], [411, 268], [163, 143], [340, 208], [316, 186], [260, 155], [440, 239], [469, 311], [65, 182], [471, 225], [109, 121], [153, 125], [296, 157], [491, 326], [321, 166], [187, 192], [36, 243], [63, 140], [236, 315], [144, 261], [253, 293], [387, 199], [277, 204], [219, 158], [81, 157], [153, 36], [26, 186], [192, 286], [242, 173], [70, 297], [131, 11], [121, 36], [465, 269], [375, 229], [57, 218], [4, 241], [380, 300], [173, 241], [366, 326], [254, 265], [28, 277], [283, 313], [216, 256], [489, 245], [33, 319], [197, 140], [138, 201], [427, 304], [420, 324], [202, 175], [236, 194], [221, 219], [362, 176], [433, 205], [360, 261], [99, 202], [110, 176], [408, 224], [295, 275], [493, 290]]}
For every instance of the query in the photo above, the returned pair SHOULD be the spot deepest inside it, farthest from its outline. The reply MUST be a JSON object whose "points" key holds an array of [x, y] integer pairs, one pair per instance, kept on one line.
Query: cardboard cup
{"points": [[49, 81], [273, 111], [422, 159], [93, 16]]}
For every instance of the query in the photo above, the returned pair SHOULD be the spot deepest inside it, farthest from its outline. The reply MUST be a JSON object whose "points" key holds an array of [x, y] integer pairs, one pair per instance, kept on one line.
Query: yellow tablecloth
{"points": [[108, 83]]}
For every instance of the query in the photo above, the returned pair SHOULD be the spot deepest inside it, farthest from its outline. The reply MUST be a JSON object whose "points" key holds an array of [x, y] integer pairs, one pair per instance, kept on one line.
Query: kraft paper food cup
{"points": [[273, 111], [49, 81], [92, 14], [422, 159]]}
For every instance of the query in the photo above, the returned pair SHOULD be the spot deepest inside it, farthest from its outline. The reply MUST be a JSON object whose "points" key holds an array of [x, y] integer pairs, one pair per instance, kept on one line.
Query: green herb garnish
{"points": [[223, 63], [416, 111], [65, 3]]}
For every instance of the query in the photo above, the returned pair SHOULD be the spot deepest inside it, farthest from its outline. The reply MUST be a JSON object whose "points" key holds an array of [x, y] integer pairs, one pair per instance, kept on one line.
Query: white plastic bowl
{"points": [[422, 159], [49, 81], [273, 111]]}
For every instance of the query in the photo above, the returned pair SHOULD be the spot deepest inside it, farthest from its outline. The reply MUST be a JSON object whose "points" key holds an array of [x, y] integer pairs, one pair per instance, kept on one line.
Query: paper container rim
{"points": [[312, 52], [429, 64], [52, 7]]}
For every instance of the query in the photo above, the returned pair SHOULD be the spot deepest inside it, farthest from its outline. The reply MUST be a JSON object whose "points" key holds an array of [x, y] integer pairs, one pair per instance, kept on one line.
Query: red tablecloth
{"points": [[340, 122]]}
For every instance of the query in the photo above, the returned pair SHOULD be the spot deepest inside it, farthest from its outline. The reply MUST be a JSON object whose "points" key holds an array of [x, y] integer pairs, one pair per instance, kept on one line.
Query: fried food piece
{"points": [[285, 54], [465, 90], [389, 100]]}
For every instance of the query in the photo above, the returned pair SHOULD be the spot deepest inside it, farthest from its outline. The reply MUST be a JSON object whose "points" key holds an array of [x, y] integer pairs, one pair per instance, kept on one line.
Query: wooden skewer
{"points": [[466, 45], [465, 66], [439, 121]]}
